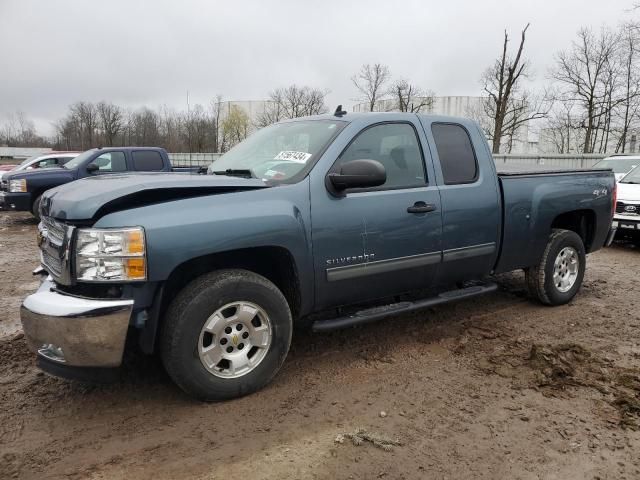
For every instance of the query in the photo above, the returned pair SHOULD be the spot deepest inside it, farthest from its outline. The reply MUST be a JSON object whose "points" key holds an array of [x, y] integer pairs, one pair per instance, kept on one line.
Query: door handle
{"points": [[421, 207]]}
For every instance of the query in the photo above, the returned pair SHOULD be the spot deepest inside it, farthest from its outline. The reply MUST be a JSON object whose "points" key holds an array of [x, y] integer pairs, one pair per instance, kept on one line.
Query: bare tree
{"points": [[583, 71], [170, 129], [273, 111], [144, 127], [292, 102], [629, 108], [216, 123], [407, 97], [86, 120], [507, 105], [18, 130], [562, 128], [370, 82], [111, 121]]}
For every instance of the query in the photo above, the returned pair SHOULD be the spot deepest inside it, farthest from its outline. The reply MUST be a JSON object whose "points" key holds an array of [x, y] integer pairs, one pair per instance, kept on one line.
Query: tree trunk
{"points": [[587, 135], [497, 135]]}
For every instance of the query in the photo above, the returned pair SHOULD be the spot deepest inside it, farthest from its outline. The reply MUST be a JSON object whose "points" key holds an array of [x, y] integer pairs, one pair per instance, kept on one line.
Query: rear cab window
{"points": [[147, 161], [455, 152]]}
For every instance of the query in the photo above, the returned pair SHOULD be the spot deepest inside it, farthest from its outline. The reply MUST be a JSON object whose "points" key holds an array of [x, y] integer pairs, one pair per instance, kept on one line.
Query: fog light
{"points": [[52, 352]]}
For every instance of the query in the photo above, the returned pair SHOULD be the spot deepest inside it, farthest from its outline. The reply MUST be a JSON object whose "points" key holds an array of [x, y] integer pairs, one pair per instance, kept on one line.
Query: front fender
{"points": [[180, 230]]}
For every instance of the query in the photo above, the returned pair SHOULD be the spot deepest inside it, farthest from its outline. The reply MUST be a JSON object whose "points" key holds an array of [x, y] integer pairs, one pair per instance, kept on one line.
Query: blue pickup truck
{"points": [[22, 190], [329, 221]]}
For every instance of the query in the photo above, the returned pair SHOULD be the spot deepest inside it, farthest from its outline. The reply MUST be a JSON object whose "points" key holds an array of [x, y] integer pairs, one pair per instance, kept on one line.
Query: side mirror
{"points": [[358, 174], [92, 168]]}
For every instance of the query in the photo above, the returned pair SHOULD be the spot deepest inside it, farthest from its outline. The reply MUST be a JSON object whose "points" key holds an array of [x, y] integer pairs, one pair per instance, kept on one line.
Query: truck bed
{"points": [[531, 201]]}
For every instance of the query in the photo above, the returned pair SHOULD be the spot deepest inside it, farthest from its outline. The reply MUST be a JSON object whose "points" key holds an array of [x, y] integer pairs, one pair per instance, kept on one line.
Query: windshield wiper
{"points": [[630, 181], [231, 172]]}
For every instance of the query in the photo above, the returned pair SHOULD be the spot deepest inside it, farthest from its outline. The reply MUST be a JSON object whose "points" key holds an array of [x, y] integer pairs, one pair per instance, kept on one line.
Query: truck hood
{"points": [[629, 192], [94, 197], [39, 173]]}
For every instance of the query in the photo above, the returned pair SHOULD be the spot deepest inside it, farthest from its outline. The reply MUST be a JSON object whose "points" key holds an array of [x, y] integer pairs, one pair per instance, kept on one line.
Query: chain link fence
{"points": [[193, 159]]}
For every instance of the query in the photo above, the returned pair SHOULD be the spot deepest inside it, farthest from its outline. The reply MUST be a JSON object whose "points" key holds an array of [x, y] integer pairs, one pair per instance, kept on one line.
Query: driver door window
{"points": [[47, 162], [111, 162], [396, 146]]}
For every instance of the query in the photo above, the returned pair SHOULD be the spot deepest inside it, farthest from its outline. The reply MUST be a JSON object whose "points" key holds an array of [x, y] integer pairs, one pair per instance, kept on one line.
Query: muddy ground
{"points": [[497, 387]]}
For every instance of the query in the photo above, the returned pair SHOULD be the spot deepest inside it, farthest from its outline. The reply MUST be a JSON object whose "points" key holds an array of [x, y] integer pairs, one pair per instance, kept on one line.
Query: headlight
{"points": [[104, 255], [16, 186]]}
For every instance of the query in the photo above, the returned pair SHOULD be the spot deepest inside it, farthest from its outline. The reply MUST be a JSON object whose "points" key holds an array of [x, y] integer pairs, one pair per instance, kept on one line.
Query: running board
{"points": [[378, 313]]}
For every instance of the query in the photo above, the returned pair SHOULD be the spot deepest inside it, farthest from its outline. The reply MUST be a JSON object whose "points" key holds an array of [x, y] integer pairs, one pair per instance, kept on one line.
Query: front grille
{"points": [[51, 264], [55, 229], [627, 208], [54, 248]]}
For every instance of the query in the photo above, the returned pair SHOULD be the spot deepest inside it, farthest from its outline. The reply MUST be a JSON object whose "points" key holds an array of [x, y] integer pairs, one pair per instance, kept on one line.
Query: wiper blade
{"points": [[231, 172], [630, 181]]}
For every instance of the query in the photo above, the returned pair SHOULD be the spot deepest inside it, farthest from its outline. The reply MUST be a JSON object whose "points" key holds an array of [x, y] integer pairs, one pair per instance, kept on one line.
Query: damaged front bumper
{"points": [[69, 331]]}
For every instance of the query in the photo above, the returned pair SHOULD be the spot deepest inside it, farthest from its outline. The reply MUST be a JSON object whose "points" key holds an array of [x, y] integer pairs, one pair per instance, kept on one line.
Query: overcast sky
{"points": [[53, 53]]}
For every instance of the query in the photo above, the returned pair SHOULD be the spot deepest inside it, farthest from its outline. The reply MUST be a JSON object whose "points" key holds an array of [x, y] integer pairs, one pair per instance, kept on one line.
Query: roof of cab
{"points": [[131, 149], [372, 117]]}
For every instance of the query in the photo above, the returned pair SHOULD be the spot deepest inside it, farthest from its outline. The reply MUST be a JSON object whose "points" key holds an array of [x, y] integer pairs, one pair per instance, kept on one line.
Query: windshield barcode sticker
{"points": [[297, 157]]}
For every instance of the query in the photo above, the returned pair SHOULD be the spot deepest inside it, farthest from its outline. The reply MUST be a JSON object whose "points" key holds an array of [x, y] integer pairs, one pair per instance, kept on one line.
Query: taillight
{"points": [[615, 198]]}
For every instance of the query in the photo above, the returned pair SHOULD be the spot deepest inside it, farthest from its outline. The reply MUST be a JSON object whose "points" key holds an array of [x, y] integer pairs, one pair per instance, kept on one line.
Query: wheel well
{"points": [[35, 194], [274, 263], [583, 222]]}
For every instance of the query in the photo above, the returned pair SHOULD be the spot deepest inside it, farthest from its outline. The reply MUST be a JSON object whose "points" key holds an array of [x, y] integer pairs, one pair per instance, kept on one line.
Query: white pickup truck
{"points": [[627, 215], [620, 164]]}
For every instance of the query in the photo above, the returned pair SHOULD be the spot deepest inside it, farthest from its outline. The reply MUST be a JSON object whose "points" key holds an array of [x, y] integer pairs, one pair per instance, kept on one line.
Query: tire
{"points": [[184, 337], [35, 208], [540, 278]]}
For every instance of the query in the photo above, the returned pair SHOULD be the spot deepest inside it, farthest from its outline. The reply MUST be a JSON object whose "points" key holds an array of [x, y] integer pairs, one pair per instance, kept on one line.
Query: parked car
{"points": [[627, 216], [620, 164], [22, 190], [54, 159], [336, 220]]}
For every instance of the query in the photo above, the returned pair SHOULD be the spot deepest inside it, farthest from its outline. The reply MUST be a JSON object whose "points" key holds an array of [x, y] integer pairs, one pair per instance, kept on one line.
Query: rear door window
{"points": [[147, 161], [455, 151]]}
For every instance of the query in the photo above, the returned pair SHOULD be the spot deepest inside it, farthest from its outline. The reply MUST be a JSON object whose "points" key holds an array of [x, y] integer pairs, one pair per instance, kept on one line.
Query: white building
{"points": [[20, 153], [253, 108]]}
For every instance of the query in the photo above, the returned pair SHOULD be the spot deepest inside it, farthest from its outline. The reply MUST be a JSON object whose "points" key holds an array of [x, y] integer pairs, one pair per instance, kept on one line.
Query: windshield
{"points": [[74, 162], [632, 177], [618, 165], [278, 152]]}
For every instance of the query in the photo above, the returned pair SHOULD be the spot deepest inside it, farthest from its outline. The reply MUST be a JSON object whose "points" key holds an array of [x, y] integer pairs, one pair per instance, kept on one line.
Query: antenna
{"points": [[339, 112]]}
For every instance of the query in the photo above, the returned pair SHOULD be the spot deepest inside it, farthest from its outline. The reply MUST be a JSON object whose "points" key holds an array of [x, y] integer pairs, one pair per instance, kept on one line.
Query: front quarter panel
{"points": [[182, 230]]}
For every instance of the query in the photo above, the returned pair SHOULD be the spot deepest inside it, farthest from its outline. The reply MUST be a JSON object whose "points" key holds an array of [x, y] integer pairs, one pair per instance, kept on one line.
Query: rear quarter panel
{"points": [[533, 201]]}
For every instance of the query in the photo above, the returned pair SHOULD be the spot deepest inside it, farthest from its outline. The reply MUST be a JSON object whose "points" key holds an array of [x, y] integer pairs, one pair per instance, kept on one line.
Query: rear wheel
{"points": [[226, 334], [35, 208], [558, 276]]}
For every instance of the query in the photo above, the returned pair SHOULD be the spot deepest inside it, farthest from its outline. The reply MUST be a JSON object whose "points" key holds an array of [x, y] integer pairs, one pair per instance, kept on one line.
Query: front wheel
{"points": [[558, 276], [35, 208], [226, 334]]}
